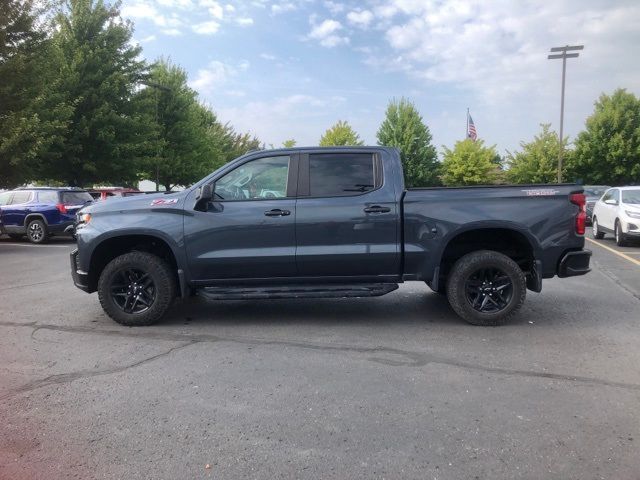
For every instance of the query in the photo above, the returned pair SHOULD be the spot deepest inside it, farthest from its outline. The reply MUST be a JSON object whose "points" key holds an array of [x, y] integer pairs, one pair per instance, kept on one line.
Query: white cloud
{"points": [[327, 32], [499, 48], [216, 10], [206, 28], [360, 18], [172, 32], [169, 24], [244, 21], [282, 7], [216, 74], [334, 7], [182, 4], [148, 39], [267, 56]]}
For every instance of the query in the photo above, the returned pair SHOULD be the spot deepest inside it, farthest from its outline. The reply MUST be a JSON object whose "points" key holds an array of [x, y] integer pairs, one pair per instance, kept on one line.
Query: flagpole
{"points": [[466, 133]]}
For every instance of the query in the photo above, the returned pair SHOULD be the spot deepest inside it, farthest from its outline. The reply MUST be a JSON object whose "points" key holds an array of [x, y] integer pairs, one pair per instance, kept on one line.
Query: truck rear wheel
{"points": [[486, 288], [136, 288]]}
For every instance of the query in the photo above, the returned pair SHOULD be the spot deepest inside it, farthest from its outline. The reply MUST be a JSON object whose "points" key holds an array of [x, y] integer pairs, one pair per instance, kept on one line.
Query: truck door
{"points": [[347, 219], [248, 230]]}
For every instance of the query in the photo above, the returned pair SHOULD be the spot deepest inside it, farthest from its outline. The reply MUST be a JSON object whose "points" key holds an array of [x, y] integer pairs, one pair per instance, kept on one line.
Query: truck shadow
{"points": [[413, 309]]}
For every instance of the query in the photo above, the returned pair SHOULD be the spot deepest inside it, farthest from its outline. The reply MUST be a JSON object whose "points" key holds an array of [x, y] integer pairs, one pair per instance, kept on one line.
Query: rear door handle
{"points": [[276, 212], [377, 209]]}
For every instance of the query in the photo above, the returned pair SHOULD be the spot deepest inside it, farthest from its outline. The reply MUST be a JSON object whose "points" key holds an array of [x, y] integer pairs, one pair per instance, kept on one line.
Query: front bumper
{"points": [[574, 263], [80, 278]]}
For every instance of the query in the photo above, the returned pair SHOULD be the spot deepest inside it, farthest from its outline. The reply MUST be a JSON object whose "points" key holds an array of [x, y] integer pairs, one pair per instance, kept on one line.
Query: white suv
{"points": [[618, 212]]}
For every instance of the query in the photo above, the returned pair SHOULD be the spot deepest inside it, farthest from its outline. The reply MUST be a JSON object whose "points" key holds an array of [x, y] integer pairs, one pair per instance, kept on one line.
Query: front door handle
{"points": [[377, 209], [276, 212]]}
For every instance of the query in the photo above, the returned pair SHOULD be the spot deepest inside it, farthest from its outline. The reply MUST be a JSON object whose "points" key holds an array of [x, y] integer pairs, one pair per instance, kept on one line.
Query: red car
{"points": [[105, 193]]}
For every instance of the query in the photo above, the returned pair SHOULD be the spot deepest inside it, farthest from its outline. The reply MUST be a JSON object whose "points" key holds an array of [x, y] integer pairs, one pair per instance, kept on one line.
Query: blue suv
{"points": [[39, 213]]}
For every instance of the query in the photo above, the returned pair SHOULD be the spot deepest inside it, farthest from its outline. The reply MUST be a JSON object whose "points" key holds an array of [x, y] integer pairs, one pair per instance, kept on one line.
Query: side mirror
{"points": [[610, 201], [206, 193]]}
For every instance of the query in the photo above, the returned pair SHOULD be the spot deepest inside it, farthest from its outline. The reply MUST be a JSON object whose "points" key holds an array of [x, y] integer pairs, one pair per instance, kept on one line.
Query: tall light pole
{"points": [[564, 55], [156, 87]]}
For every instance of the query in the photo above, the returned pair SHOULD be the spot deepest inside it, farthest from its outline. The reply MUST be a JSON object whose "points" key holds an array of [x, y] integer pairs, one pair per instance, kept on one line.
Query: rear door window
{"points": [[4, 198], [341, 174], [48, 197], [76, 198]]}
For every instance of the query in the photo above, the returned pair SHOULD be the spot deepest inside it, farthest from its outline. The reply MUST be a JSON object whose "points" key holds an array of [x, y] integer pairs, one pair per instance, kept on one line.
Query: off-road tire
{"points": [[465, 267], [37, 231], [597, 234], [164, 283]]}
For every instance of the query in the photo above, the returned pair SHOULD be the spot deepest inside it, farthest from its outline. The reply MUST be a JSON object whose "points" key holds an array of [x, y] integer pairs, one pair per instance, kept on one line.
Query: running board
{"points": [[298, 291]]}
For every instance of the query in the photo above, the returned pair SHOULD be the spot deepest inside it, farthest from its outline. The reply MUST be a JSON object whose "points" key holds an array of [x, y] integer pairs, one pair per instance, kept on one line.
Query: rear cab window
{"points": [[342, 174]]}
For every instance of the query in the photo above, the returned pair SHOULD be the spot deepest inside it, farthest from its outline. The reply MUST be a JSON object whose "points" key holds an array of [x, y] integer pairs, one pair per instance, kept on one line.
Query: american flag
{"points": [[471, 129]]}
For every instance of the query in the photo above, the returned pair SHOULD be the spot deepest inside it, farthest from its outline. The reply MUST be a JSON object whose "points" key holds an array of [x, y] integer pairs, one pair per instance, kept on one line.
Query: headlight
{"points": [[83, 218], [632, 214]]}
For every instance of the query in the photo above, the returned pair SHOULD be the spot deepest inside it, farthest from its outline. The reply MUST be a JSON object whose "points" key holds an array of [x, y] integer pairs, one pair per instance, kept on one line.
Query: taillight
{"points": [[580, 200], [61, 208]]}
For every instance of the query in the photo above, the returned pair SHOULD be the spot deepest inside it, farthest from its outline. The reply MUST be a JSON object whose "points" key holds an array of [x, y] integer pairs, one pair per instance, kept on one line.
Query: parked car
{"points": [[332, 222], [39, 213], [618, 212], [593, 194], [104, 193]]}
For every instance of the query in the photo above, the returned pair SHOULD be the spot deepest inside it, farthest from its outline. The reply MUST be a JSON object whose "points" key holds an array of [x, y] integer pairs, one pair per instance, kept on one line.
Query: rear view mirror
{"points": [[610, 201]]}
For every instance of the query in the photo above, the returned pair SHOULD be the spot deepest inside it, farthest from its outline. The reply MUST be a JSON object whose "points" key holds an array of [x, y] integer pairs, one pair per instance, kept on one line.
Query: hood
{"points": [[137, 202]]}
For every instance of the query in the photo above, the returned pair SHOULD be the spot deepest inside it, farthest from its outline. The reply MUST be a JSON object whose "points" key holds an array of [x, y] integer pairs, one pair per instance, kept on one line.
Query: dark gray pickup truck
{"points": [[328, 222]]}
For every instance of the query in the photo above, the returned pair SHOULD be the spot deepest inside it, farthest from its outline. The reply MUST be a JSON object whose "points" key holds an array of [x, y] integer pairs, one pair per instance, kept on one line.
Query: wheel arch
{"points": [[35, 216], [516, 243], [113, 246]]}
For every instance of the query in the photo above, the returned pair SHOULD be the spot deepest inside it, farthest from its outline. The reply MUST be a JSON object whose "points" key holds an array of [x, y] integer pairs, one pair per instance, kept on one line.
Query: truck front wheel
{"points": [[486, 288], [136, 288]]}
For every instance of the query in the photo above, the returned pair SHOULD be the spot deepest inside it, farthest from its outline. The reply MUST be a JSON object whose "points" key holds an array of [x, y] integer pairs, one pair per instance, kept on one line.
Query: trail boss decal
{"points": [[161, 202], [541, 192]]}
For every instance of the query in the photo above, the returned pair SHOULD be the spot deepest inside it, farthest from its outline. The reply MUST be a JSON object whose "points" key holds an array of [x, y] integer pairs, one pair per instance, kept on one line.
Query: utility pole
{"points": [[564, 55]]}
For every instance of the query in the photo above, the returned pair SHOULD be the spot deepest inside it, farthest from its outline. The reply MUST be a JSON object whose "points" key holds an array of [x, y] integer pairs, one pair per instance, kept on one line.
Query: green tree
{"points": [[470, 163], [608, 150], [183, 148], [23, 65], [95, 73], [403, 128], [289, 143], [340, 134], [538, 160]]}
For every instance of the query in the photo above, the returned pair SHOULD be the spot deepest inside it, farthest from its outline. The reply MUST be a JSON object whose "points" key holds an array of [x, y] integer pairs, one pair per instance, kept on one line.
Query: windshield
{"points": [[595, 191], [631, 196]]}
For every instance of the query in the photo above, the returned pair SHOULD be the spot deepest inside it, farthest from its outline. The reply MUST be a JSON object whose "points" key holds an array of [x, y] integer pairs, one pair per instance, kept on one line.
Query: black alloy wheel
{"points": [[132, 290], [489, 290]]}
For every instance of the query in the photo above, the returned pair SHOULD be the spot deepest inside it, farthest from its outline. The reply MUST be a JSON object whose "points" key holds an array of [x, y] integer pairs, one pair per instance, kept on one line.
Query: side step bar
{"points": [[297, 291]]}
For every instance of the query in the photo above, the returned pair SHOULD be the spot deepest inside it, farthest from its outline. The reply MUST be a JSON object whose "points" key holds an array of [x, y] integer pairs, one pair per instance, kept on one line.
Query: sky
{"points": [[284, 69]]}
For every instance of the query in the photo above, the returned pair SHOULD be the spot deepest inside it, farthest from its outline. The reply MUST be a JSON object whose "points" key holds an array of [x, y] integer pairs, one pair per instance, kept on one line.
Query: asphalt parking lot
{"points": [[390, 387]]}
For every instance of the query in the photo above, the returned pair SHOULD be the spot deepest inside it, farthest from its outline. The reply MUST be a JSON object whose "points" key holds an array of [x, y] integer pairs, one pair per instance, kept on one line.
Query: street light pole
{"points": [[156, 87], [564, 55]]}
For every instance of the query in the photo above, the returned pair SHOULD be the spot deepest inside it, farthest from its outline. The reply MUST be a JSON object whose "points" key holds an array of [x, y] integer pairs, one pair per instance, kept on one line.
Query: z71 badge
{"points": [[161, 202]]}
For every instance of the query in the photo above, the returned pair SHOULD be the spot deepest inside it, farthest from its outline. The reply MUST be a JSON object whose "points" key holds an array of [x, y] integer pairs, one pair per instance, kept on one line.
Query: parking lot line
{"points": [[612, 250]]}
